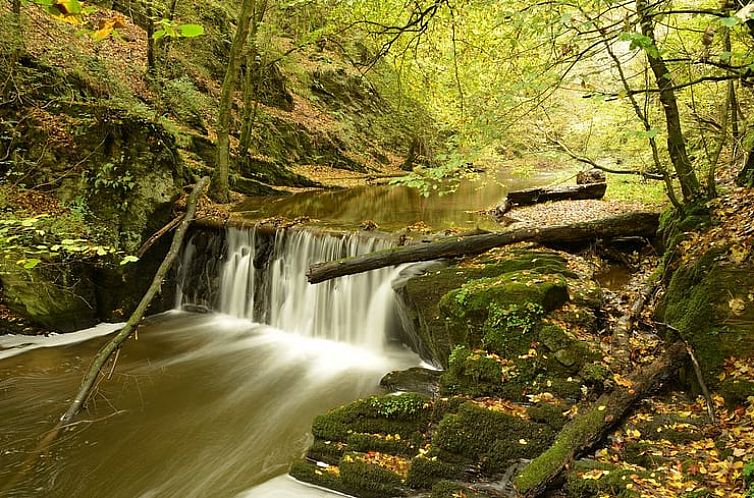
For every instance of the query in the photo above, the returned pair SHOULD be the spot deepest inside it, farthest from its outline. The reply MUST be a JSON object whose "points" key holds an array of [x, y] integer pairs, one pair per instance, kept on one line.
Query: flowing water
{"points": [[218, 404]]}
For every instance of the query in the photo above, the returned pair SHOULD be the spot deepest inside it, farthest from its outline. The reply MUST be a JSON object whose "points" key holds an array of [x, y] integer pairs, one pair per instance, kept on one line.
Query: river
{"points": [[219, 404]]}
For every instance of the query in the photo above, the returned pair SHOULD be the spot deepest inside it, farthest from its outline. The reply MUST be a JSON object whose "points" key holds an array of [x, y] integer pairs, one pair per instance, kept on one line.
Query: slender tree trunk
{"points": [[151, 43], [250, 85], [17, 8], [220, 189], [676, 143]]}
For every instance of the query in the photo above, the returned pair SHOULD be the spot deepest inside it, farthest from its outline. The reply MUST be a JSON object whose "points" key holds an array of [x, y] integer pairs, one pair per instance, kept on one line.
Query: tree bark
{"points": [[676, 142], [135, 319], [639, 223], [220, 187], [538, 195], [587, 429]]}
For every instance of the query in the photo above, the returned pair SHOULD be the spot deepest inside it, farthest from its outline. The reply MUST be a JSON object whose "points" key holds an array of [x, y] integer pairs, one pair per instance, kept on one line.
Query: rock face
{"points": [[62, 300], [513, 330], [710, 295]]}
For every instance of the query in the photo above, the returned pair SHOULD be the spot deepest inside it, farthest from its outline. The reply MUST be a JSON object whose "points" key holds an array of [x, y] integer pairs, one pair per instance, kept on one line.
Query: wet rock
{"points": [[418, 380]]}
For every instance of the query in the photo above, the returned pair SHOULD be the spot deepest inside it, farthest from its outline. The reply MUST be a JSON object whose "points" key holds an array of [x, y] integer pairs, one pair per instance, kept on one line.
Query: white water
{"points": [[356, 309], [215, 404]]}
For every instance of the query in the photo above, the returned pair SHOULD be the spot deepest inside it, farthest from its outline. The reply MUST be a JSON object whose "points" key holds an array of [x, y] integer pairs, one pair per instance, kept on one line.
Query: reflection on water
{"points": [[199, 406], [396, 207]]}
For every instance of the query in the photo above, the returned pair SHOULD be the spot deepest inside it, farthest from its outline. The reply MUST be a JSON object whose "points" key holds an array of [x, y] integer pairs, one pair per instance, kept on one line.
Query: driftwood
{"points": [[537, 195], [638, 223], [587, 429], [116, 342]]}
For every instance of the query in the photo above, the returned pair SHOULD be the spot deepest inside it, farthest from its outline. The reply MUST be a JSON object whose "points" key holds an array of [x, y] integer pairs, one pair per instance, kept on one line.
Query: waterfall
{"points": [[263, 278]]}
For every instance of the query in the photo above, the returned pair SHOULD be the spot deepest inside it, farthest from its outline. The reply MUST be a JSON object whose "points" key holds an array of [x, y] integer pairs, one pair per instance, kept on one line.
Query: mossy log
{"points": [[532, 196], [638, 223], [586, 430]]}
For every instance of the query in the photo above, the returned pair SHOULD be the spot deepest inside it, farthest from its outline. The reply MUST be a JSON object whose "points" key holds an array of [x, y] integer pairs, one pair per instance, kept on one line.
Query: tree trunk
{"points": [[151, 43], [538, 195], [17, 8], [116, 342], [634, 224], [252, 81], [220, 187], [676, 142], [587, 429]]}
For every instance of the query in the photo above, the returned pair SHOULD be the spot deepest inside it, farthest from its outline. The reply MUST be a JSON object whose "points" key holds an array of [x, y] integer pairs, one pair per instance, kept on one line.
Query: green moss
{"points": [[491, 437], [326, 451], [451, 489], [307, 472], [369, 481], [406, 415], [568, 439], [698, 304], [427, 470], [370, 442], [612, 482], [594, 373], [549, 414], [441, 328]]}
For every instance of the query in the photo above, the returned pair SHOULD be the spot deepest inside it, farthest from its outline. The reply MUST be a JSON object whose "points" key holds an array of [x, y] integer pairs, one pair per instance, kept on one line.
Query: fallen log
{"points": [[104, 354], [589, 428], [639, 223], [134, 320], [537, 195]]}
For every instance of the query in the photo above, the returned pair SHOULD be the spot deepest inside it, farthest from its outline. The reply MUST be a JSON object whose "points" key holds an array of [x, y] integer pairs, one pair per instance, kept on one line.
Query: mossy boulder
{"points": [[710, 302], [441, 326], [352, 476], [490, 437], [61, 298], [426, 470], [406, 415]]}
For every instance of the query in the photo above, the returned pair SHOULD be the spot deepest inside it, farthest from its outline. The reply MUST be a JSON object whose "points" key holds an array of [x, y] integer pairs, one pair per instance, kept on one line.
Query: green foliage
{"points": [[167, 28], [111, 179], [36, 240]]}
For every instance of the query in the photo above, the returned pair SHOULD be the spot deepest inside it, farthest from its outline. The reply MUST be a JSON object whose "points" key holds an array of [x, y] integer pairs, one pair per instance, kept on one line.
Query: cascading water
{"points": [[210, 404], [265, 281]]}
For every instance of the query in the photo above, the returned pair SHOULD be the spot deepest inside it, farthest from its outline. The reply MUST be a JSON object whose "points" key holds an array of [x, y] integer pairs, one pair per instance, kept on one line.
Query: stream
{"points": [[219, 404]]}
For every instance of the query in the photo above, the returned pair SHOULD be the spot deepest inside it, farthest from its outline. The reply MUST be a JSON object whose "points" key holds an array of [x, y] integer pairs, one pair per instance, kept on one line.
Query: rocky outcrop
{"points": [[514, 329]]}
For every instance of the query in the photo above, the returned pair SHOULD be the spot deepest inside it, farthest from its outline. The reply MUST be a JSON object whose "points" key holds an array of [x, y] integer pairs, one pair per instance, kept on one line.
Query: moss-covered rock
{"points": [[426, 470], [61, 298], [490, 437], [353, 476], [406, 415], [709, 302], [437, 326], [451, 489]]}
